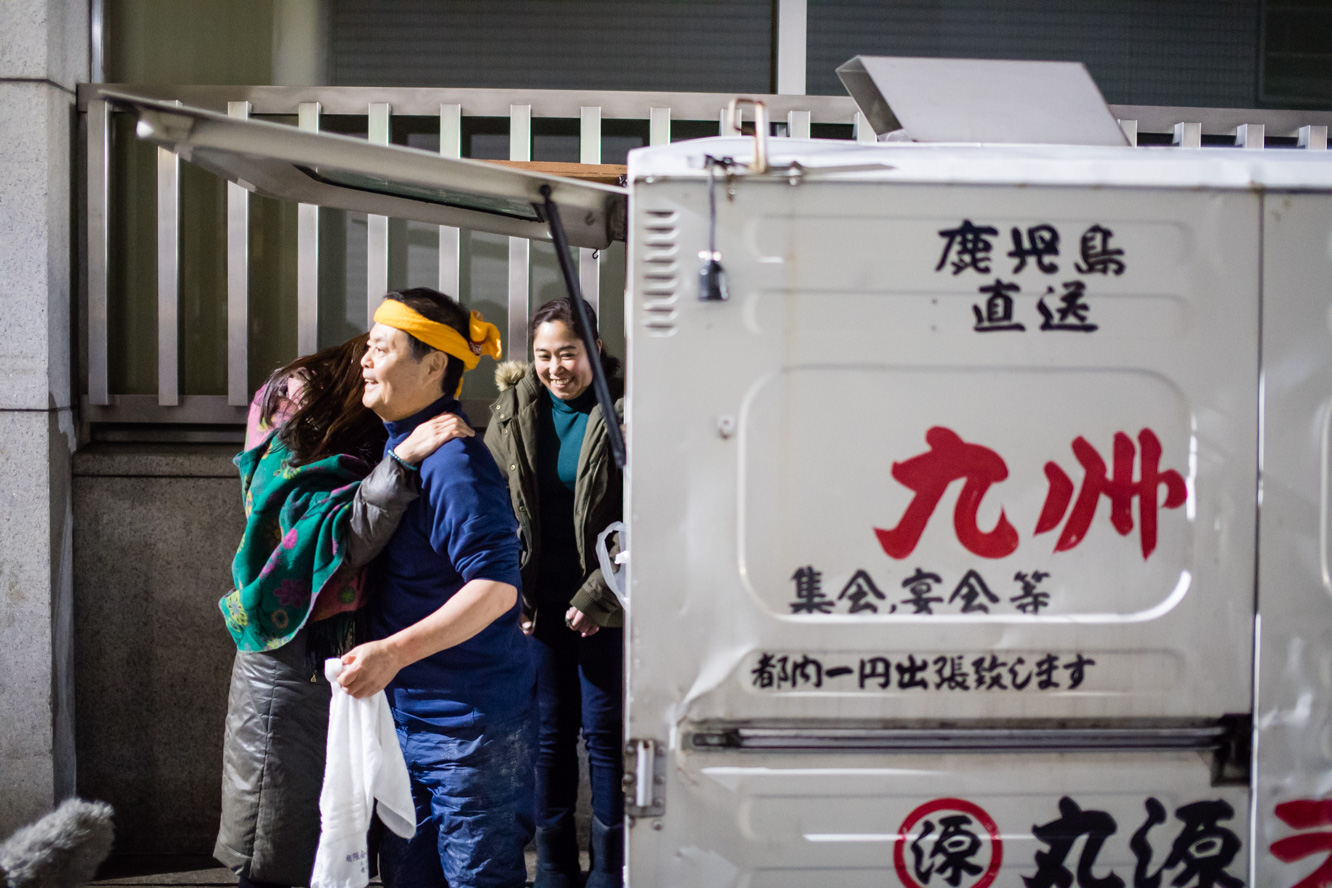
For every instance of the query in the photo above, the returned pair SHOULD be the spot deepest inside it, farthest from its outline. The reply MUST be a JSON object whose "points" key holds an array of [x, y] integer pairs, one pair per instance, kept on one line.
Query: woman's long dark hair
{"points": [[329, 418], [562, 310]]}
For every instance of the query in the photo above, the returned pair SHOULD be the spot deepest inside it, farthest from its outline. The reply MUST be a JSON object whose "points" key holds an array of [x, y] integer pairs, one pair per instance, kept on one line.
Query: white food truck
{"points": [[977, 503]]}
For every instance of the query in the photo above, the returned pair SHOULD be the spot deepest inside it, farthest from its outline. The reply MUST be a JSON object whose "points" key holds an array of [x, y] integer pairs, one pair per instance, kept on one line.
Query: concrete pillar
{"points": [[43, 55], [300, 43]]}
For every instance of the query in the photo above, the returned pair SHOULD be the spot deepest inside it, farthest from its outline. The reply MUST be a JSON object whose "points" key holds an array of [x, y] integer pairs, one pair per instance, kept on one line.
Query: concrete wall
{"points": [[43, 54], [155, 528]]}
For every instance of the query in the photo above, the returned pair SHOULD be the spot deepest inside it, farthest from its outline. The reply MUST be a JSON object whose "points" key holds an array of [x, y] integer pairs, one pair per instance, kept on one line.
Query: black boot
{"points": [[607, 856], [557, 856]]}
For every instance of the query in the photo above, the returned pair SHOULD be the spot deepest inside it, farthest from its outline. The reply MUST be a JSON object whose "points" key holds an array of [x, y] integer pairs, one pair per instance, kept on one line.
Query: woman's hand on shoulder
{"points": [[430, 435]]}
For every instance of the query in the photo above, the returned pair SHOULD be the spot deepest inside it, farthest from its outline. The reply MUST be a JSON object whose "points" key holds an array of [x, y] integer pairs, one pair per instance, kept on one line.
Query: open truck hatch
{"points": [[388, 180]]}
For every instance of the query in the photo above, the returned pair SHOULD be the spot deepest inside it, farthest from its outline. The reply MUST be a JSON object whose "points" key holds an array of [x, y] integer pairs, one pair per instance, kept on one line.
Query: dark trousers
{"points": [[580, 684], [473, 806]]}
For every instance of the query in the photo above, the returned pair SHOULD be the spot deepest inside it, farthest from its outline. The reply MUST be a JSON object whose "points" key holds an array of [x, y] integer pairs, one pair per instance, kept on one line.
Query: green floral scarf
{"points": [[288, 556]]}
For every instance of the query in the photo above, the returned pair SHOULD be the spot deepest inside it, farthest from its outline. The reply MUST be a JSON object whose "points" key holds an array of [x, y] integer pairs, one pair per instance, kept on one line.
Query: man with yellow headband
{"points": [[450, 654]]}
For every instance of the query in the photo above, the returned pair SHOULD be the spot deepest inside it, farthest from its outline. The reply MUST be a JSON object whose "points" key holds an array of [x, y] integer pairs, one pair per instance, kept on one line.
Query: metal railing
{"points": [[794, 116]]}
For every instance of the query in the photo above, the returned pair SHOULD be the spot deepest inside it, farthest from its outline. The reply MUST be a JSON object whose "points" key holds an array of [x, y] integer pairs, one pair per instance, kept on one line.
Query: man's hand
{"points": [[580, 622], [430, 435], [367, 669]]}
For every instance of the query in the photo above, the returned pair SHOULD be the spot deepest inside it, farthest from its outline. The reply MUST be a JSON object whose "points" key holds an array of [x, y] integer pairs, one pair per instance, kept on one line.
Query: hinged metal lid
{"points": [[981, 100], [388, 180]]}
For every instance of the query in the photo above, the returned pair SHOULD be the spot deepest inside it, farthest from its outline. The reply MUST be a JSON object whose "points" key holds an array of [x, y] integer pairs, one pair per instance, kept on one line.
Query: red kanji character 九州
{"points": [[1119, 488], [950, 459]]}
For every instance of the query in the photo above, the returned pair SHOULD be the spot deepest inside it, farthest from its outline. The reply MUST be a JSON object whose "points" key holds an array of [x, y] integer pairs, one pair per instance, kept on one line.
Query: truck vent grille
{"points": [[661, 271]]}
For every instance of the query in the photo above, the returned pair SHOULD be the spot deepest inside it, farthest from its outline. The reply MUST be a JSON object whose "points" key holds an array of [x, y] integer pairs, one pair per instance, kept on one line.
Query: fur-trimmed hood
{"points": [[510, 373]]}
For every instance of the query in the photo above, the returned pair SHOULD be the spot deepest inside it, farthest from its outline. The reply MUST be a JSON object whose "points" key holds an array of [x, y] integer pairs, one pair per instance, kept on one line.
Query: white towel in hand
{"points": [[364, 764]]}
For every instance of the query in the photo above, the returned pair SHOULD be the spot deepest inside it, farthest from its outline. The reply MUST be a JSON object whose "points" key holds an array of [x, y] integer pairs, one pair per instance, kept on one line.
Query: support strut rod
{"points": [[585, 332]]}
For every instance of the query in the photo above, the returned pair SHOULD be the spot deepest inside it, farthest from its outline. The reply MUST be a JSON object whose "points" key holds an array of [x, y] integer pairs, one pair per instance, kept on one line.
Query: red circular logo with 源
{"points": [[953, 842]]}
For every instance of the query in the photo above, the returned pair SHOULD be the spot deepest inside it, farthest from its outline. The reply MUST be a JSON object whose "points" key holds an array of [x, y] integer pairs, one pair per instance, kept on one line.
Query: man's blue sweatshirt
{"points": [[460, 529]]}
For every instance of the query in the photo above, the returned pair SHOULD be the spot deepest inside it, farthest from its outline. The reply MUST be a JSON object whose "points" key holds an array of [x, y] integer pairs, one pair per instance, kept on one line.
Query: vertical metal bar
{"points": [[520, 132], [792, 18], [582, 321], [1130, 130], [1313, 138], [96, 45], [864, 132], [589, 151], [520, 148], [450, 145], [307, 253], [726, 128], [99, 201], [238, 282], [519, 283], [589, 276], [659, 126], [1251, 136], [376, 252], [589, 134], [1188, 135], [168, 278], [797, 124]]}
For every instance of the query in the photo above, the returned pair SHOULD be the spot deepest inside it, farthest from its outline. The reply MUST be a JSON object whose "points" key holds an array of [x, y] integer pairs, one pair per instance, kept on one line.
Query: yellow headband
{"points": [[485, 338]]}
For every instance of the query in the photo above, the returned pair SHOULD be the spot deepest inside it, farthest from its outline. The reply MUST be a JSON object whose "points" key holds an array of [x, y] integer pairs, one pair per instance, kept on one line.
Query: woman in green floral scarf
{"points": [[315, 514]]}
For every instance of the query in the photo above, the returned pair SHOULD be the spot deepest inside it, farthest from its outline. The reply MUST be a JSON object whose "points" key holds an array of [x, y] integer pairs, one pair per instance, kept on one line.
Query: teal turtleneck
{"points": [[569, 423], [560, 431]]}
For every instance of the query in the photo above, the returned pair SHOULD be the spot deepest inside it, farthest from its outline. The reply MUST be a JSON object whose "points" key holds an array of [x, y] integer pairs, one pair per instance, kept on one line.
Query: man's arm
{"points": [[472, 524], [371, 666]]}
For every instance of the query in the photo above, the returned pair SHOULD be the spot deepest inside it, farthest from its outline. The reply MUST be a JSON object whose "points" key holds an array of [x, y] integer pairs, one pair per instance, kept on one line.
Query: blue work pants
{"points": [[472, 787]]}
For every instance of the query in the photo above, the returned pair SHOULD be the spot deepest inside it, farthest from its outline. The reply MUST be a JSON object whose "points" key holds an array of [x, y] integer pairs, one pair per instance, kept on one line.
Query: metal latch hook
{"points": [[735, 119]]}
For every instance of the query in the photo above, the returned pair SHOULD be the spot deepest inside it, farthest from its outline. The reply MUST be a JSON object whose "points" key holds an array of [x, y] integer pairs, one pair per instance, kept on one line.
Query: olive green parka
{"points": [[598, 487]]}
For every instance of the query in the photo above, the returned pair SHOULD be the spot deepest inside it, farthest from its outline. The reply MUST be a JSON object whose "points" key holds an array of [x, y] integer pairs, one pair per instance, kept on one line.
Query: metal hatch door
{"points": [[388, 180], [873, 455]]}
